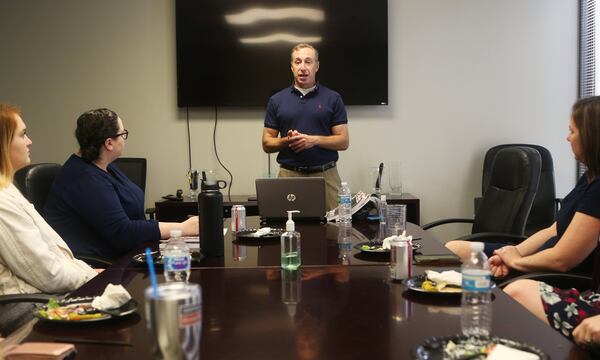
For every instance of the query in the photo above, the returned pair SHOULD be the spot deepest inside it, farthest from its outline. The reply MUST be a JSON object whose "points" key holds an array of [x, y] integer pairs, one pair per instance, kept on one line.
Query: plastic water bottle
{"points": [[476, 319], [382, 213], [177, 258], [345, 204]]}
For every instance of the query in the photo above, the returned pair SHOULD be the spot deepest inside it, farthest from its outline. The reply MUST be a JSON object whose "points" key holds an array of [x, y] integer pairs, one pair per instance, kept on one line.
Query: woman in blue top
{"points": [[564, 309], [95, 208]]}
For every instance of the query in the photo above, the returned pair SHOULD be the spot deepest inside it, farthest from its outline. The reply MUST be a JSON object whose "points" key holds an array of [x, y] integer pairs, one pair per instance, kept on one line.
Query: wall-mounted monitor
{"points": [[237, 52]]}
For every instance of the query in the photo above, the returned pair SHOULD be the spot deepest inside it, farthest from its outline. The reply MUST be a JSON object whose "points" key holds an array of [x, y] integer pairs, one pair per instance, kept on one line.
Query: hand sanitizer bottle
{"points": [[290, 245]]}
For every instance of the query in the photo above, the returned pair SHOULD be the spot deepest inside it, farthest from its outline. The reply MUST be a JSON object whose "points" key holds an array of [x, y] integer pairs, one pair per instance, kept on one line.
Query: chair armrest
{"points": [[38, 298], [580, 282], [446, 221], [495, 237], [94, 261]]}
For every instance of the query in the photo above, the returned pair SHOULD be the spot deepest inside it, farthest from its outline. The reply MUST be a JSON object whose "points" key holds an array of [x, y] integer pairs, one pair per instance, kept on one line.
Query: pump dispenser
{"points": [[290, 244]]}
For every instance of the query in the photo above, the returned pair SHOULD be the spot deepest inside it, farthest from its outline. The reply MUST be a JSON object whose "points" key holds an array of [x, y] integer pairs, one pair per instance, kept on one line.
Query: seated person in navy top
{"points": [[565, 310], [569, 242], [94, 207]]}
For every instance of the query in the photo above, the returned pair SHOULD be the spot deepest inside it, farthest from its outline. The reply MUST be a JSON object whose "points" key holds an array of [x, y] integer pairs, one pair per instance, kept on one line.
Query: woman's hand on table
{"points": [[497, 267], [509, 255], [190, 226]]}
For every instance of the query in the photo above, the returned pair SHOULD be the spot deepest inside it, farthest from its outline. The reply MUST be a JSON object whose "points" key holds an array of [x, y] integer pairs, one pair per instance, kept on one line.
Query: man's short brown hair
{"points": [[304, 46]]}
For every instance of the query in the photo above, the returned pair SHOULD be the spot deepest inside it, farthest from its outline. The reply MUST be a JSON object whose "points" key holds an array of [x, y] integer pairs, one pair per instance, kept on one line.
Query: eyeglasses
{"points": [[124, 134]]}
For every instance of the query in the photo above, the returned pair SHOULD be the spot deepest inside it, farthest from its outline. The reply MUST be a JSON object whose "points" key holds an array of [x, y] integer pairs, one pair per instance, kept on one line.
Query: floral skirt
{"points": [[565, 309]]}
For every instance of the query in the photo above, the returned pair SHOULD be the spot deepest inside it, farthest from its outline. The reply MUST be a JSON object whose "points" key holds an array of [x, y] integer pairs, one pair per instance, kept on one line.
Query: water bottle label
{"points": [[345, 200], [177, 263], [476, 281]]}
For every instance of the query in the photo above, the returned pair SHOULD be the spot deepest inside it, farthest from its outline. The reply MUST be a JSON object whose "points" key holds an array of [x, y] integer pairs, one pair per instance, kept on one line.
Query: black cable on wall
{"points": [[217, 155]]}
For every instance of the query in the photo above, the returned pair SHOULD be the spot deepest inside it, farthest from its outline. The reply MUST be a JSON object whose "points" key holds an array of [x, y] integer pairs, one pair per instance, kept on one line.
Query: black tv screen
{"points": [[237, 52]]}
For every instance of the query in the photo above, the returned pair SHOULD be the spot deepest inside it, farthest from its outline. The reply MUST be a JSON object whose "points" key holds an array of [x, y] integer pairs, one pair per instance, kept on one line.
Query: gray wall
{"points": [[464, 75]]}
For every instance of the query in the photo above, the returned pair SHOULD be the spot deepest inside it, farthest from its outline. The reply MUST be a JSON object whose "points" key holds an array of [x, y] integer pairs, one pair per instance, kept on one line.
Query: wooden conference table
{"points": [[331, 309]]}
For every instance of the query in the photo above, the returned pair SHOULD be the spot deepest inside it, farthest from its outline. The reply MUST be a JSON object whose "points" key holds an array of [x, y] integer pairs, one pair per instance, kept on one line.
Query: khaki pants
{"points": [[332, 183]]}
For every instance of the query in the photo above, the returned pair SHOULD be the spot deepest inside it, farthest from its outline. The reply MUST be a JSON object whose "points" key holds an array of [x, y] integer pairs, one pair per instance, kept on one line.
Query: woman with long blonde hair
{"points": [[33, 257]]}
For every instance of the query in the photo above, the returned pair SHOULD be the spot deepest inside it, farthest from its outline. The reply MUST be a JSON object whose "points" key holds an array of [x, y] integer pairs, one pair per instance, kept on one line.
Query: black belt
{"points": [[309, 169]]}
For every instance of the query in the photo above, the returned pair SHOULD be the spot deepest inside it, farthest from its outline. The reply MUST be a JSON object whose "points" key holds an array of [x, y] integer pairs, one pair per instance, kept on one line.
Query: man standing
{"points": [[307, 124]]}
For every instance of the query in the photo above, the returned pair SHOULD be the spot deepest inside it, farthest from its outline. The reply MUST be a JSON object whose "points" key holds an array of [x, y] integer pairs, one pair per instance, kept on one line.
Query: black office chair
{"points": [[505, 205], [545, 204], [135, 169], [35, 181]]}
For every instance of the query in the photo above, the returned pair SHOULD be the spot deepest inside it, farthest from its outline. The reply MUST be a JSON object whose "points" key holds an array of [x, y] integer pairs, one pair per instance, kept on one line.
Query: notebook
{"points": [[277, 195]]}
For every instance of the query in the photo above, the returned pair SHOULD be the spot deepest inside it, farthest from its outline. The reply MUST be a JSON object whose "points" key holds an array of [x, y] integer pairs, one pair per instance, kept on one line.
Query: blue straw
{"points": [[152, 273]]}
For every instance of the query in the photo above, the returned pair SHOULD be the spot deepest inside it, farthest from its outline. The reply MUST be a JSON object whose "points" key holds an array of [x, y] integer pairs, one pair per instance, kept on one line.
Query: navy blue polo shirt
{"points": [[313, 114]]}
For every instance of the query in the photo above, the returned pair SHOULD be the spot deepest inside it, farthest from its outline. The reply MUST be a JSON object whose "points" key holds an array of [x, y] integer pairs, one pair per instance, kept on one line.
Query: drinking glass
{"points": [[395, 219], [193, 178], [174, 320], [395, 178]]}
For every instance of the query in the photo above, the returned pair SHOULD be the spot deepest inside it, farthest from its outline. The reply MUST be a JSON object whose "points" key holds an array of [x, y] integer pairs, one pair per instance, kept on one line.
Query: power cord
{"points": [[217, 155], [189, 138]]}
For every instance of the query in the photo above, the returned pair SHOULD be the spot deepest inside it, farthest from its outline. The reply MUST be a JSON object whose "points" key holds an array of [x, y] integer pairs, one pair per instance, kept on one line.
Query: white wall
{"points": [[464, 75]]}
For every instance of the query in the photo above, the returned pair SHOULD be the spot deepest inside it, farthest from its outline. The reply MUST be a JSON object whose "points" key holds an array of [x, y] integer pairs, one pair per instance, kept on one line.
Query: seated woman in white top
{"points": [[33, 257]]}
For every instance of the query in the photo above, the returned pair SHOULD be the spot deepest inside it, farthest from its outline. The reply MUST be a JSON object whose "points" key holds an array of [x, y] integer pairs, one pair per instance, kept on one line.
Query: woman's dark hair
{"points": [[93, 128], [586, 116]]}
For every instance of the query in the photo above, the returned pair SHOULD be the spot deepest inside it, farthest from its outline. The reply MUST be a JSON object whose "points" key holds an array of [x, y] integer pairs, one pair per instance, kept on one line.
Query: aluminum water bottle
{"points": [[345, 204], [210, 207], [476, 315], [177, 259]]}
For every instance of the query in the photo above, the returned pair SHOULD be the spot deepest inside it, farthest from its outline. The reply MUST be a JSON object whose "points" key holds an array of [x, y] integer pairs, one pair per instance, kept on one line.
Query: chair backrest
{"points": [[544, 207], [35, 181], [512, 186], [135, 169]]}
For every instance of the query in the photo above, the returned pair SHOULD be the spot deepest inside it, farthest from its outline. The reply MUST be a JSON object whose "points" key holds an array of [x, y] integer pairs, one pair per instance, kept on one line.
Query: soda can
{"points": [[239, 252], [400, 259], [238, 218]]}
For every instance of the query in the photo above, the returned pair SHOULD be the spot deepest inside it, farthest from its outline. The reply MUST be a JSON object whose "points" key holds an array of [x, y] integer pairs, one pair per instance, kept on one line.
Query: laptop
{"points": [[276, 196]]}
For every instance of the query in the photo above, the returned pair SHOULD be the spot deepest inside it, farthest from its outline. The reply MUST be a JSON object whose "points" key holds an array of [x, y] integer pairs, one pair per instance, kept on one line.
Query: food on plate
{"points": [[472, 348], [467, 350], [446, 281], [374, 247], [73, 312]]}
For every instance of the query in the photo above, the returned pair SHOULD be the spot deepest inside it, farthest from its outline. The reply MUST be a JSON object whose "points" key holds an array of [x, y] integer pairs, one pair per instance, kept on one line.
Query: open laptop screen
{"points": [[276, 196]]}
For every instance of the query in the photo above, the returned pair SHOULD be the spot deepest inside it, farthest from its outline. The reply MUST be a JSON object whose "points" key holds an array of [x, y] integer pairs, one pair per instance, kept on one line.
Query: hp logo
{"points": [[291, 197]]}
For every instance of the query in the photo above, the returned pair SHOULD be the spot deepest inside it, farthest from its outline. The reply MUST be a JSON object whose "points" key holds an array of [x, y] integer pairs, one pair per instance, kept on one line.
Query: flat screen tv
{"points": [[237, 52]]}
